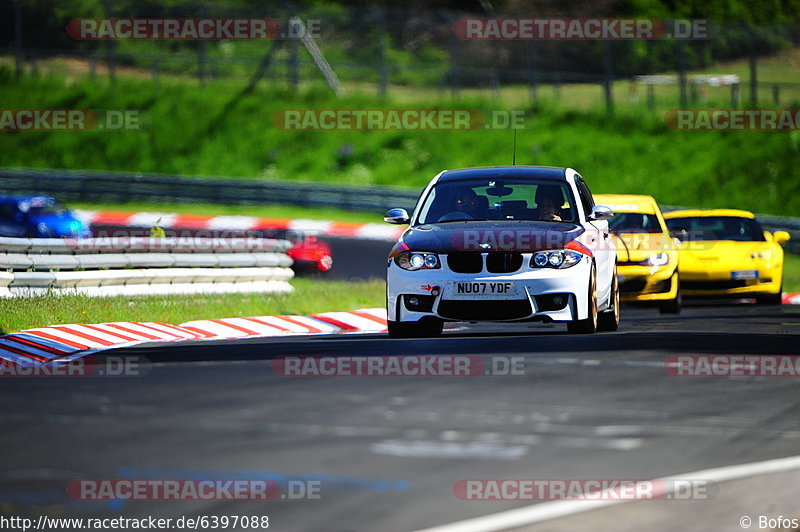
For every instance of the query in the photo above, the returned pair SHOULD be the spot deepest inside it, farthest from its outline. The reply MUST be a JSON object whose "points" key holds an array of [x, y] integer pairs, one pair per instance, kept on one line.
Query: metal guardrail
{"points": [[102, 186], [139, 266], [117, 187]]}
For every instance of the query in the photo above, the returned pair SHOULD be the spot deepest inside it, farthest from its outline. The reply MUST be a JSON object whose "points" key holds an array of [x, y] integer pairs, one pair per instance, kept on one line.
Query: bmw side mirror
{"points": [[601, 212], [397, 216]]}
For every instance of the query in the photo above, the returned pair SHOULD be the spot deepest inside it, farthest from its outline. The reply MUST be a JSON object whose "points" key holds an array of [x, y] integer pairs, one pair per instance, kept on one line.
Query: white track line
{"points": [[546, 511]]}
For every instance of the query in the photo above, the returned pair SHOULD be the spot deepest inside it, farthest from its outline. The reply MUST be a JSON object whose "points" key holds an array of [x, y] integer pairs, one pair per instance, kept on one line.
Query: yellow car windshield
{"points": [[717, 228]]}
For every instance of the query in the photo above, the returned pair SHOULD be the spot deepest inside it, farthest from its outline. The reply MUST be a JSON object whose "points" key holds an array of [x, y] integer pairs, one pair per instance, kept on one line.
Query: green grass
{"points": [[212, 130], [791, 273], [207, 209], [309, 297]]}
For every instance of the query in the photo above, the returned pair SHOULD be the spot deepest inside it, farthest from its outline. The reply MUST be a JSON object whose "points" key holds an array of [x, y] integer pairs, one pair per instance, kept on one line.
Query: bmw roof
{"points": [[518, 172]]}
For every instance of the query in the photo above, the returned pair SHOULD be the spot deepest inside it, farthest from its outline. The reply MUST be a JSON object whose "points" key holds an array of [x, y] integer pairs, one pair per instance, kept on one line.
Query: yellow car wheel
{"points": [[771, 299]]}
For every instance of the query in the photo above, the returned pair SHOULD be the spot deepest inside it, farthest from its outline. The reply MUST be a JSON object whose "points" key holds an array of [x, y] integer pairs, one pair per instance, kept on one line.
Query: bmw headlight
{"points": [[560, 259], [656, 259], [414, 261]]}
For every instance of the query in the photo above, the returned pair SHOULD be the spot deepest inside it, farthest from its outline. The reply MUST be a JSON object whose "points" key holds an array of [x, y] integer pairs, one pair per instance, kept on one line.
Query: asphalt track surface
{"points": [[388, 450]]}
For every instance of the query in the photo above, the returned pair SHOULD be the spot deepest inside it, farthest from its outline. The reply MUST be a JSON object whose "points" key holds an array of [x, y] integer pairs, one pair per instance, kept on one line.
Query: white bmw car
{"points": [[503, 244]]}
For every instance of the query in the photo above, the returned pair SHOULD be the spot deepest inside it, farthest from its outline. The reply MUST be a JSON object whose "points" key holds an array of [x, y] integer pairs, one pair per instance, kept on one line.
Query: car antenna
{"points": [[514, 156]]}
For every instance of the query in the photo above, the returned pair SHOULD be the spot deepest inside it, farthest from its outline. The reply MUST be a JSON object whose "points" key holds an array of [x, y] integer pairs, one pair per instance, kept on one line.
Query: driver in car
{"points": [[548, 210], [466, 200]]}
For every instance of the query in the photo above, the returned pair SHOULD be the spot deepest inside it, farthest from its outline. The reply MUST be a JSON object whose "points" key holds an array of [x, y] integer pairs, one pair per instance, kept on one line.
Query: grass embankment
{"points": [[791, 273], [309, 297], [213, 131]]}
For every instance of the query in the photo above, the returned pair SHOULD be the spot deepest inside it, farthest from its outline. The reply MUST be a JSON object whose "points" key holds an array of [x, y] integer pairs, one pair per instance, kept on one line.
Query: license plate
{"points": [[744, 274], [484, 289]]}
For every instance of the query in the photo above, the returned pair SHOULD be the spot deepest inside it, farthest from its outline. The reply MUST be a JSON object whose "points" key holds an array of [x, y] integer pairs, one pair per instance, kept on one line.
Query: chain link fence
{"points": [[384, 49]]}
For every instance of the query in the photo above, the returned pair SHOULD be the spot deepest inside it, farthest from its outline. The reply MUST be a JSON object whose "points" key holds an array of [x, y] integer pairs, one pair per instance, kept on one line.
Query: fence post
{"points": [[454, 52], [383, 73], [682, 72], [607, 75], [776, 93], [557, 86], [18, 37], [753, 60], [651, 97], [201, 48], [154, 71], [532, 73], [111, 44], [294, 51]]}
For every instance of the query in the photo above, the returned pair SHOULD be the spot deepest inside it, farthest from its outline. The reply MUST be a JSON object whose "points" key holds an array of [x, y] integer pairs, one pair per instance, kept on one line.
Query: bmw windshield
{"points": [[496, 199]]}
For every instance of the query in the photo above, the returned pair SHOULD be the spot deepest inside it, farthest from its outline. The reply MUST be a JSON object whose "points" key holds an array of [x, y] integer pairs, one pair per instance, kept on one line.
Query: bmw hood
{"points": [[500, 235]]}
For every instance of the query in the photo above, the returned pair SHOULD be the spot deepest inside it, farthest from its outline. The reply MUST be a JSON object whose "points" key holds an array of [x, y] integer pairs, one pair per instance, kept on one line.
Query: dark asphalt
{"points": [[388, 450]]}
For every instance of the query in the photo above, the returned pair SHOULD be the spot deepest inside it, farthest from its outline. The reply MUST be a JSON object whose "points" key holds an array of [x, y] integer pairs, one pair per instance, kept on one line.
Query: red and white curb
{"points": [[363, 321], [792, 298], [67, 342], [369, 231]]}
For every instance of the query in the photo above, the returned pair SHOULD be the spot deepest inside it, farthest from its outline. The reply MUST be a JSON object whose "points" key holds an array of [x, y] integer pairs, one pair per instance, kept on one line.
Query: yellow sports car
{"points": [[647, 257], [725, 252]]}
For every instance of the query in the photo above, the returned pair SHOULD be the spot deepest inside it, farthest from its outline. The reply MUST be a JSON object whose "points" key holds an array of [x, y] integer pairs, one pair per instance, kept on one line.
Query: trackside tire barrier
{"points": [[131, 266]]}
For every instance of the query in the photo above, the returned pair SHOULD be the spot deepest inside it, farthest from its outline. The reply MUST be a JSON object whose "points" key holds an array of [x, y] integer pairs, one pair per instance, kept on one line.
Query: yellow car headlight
{"points": [[765, 254], [656, 259]]}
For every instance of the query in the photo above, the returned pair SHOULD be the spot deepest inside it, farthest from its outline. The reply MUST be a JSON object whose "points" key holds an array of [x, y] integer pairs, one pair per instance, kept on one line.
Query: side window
{"points": [[7, 211], [586, 196]]}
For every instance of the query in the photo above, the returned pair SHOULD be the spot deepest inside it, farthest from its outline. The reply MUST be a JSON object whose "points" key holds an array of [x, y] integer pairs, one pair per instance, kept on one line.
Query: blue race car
{"points": [[39, 217]]}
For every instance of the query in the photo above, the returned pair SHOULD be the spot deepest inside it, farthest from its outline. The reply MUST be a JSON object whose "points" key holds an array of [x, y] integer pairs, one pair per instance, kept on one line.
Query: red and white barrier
{"points": [[791, 298], [68, 342], [376, 231]]}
